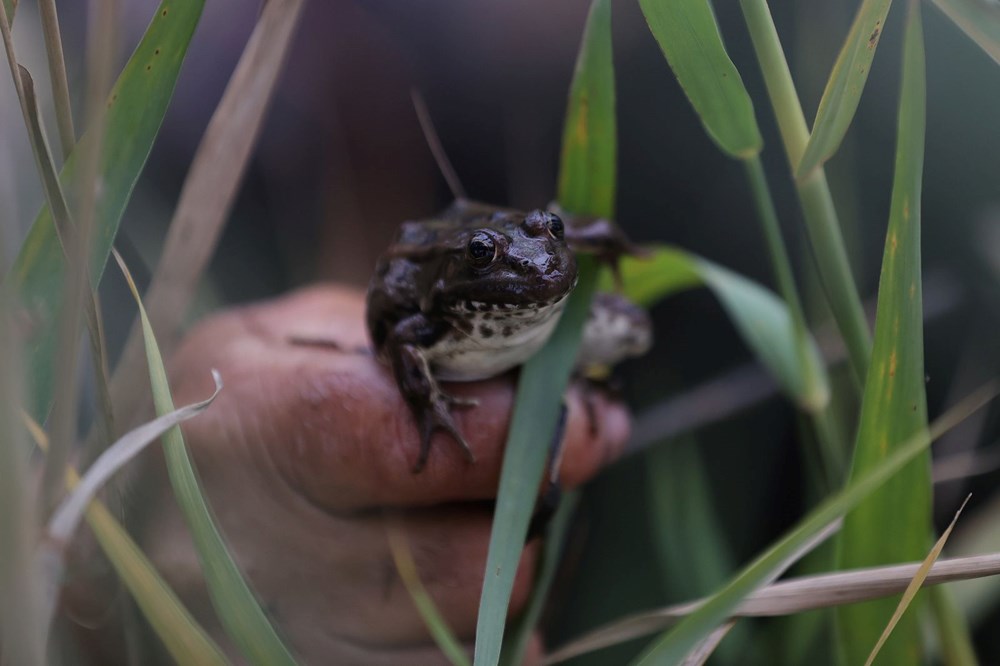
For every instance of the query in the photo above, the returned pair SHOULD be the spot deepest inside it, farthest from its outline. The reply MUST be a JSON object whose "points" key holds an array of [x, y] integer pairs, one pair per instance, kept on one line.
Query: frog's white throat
{"points": [[487, 339]]}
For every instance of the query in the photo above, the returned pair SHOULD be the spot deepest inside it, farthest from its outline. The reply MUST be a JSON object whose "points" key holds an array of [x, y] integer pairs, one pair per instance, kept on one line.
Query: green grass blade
{"points": [[977, 19], [671, 647], [184, 639], [137, 104], [689, 38], [762, 319], [436, 624], [233, 601], [516, 645], [589, 161], [893, 525], [820, 214], [844, 87], [586, 186]]}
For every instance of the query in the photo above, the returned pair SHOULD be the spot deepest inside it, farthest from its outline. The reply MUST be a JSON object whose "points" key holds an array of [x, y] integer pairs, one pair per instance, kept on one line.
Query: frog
{"points": [[476, 291]]}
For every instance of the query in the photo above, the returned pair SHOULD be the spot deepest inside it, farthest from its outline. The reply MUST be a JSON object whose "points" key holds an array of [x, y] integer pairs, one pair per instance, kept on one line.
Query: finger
{"points": [[335, 426]]}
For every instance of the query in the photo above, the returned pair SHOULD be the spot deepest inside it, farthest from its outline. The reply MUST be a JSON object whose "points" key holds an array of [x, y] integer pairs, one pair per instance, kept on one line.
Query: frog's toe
{"points": [[437, 416]]}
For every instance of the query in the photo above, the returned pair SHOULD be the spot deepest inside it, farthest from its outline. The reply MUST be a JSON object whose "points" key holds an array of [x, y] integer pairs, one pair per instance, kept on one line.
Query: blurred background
{"points": [[341, 162]]}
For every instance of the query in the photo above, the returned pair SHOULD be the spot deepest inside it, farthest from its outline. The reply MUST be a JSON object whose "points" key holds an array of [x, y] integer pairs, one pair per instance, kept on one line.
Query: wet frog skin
{"points": [[477, 291]]}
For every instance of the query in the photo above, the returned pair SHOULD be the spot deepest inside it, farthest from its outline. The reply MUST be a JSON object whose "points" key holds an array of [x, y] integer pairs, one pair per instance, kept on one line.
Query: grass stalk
{"points": [[820, 214], [57, 74], [76, 286], [21, 637], [815, 376]]}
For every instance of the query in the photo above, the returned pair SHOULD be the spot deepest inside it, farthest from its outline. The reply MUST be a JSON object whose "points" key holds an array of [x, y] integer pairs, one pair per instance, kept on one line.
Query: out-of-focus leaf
{"points": [[761, 318], [66, 518], [586, 187], [136, 107], [893, 524], [689, 37], [436, 624], [844, 87], [979, 19], [208, 193], [184, 639], [234, 603], [675, 644]]}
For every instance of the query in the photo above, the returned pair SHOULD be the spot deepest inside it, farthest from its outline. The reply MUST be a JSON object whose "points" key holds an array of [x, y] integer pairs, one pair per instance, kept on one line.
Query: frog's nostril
{"points": [[525, 262]]}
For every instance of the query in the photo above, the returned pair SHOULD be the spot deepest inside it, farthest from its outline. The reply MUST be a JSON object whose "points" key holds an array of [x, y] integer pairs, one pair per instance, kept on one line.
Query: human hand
{"points": [[305, 454]]}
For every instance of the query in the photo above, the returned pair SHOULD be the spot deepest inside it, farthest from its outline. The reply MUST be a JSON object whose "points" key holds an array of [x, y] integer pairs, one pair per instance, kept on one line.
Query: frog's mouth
{"points": [[509, 301], [514, 305]]}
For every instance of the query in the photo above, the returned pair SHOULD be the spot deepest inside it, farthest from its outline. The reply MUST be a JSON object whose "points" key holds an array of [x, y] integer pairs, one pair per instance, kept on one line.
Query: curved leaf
{"points": [[978, 19], [846, 83], [235, 604], [689, 38], [762, 319]]}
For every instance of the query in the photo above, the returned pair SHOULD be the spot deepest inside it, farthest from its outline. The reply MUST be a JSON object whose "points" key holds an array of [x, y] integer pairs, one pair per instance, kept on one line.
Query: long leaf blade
{"points": [[844, 87], [689, 38], [233, 601], [137, 104], [586, 186], [893, 525]]}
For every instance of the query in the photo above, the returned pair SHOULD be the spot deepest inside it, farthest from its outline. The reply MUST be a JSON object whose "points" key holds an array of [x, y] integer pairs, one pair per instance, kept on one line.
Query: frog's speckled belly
{"points": [[489, 339]]}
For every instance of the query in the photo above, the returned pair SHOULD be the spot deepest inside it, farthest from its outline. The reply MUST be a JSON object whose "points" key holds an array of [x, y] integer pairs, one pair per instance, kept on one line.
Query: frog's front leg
{"points": [[431, 407]]}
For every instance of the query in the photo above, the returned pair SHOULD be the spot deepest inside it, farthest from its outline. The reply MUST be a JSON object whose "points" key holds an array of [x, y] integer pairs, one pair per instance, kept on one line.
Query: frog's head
{"points": [[508, 259]]}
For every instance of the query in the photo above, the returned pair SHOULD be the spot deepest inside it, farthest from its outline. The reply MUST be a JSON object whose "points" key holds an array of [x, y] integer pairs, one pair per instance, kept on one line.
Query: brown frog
{"points": [[478, 290]]}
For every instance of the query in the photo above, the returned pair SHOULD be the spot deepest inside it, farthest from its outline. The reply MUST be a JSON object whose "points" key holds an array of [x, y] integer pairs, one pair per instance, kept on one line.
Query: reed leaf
{"points": [[238, 610], [844, 87], [587, 187], [893, 524], [689, 38]]}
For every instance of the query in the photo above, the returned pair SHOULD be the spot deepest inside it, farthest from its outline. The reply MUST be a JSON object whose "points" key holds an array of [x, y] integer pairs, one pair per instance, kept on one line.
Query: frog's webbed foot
{"points": [[436, 415], [431, 407]]}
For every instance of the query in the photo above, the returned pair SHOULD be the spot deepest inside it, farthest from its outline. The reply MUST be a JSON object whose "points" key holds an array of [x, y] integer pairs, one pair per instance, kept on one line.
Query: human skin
{"points": [[307, 454]]}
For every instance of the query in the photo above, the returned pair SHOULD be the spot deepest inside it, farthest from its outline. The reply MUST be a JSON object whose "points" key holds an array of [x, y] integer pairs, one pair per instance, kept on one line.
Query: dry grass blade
{"points": [[642, 624], [792, 596], [186, 642], [915, 584], [208, 194], [436, 624], [67, 516], [65, 519], [57, 73]]}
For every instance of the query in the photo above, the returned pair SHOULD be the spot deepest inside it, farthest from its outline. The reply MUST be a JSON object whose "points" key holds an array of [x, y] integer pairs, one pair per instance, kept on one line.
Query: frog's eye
{"points": [[556, 227], [482, 250]]}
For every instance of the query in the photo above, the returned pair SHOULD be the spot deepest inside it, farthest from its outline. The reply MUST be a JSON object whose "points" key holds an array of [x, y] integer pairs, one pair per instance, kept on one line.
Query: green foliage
{"points": [[238, 610], [893, 525], [136, 107], [689, 37], [844, 88]]}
